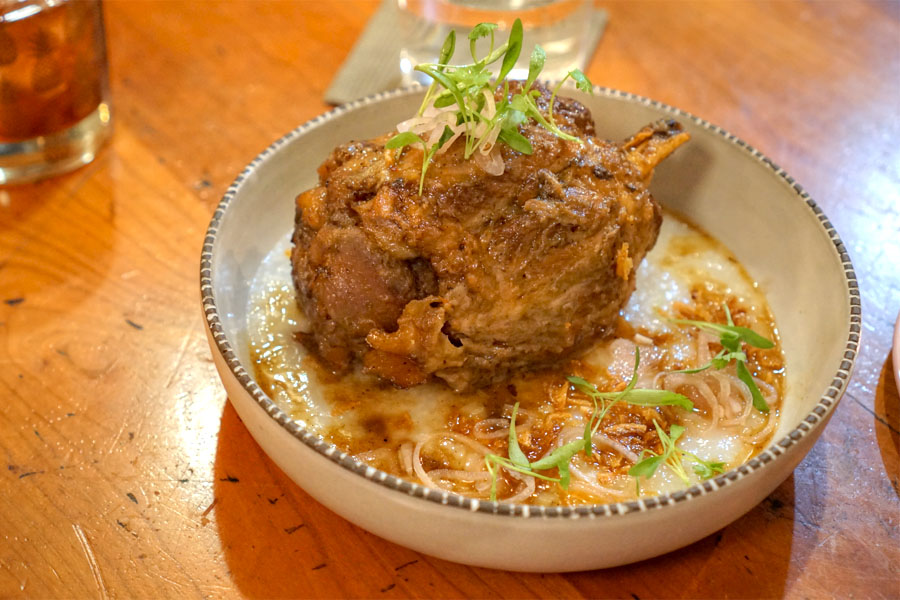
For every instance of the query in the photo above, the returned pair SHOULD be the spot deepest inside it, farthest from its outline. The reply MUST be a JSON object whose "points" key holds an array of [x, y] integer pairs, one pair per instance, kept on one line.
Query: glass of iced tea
{"points": [[54, 109]]}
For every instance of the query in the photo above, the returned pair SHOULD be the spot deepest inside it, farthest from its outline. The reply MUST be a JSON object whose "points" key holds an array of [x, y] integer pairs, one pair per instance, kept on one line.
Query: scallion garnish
{"points": [[731, 338], [461, 98], [673, 457], [562, 456], [603, 401]]}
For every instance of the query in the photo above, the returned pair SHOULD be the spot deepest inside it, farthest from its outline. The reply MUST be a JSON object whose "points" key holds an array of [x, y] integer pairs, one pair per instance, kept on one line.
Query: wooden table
{"points": [[127, 474]]}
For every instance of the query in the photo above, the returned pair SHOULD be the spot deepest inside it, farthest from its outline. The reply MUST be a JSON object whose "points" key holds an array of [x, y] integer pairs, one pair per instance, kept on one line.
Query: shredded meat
{"points": [[481, 275]]}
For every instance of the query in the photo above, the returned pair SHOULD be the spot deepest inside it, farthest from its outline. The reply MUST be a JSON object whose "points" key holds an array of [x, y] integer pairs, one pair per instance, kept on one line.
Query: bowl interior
{"points": [[716, 181]]}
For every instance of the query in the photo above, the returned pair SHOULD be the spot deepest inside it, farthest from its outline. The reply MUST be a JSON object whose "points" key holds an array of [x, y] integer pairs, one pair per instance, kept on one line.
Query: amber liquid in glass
{"points": [[52, 78]]}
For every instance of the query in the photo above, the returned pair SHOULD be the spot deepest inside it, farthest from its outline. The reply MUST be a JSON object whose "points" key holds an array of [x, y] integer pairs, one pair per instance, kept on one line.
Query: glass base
{"points": [[57, 153]]}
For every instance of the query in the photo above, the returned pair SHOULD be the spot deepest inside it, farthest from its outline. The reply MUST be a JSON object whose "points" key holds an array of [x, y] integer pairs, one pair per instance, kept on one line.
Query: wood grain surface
{"points": [[125, 473]]}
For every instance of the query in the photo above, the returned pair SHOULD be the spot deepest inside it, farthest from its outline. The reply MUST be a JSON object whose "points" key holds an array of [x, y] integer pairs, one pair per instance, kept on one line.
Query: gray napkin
{"points": [[392, 35]]}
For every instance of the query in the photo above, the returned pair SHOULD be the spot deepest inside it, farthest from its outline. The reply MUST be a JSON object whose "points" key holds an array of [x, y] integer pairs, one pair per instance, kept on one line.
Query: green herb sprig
{"points": [[562, 456], [408, 138], [673, 457], [466, 87], [731, 338], [517, 460], [604, 401]]}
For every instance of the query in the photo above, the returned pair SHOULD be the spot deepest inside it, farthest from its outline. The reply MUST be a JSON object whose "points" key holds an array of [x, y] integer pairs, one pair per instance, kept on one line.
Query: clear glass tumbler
{"points": [[54, 88], [567, 30]]}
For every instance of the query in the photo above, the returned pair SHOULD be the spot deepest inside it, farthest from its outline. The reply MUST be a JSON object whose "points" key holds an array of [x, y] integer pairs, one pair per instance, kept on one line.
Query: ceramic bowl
{"points": [[896, 352], [718, 181]]}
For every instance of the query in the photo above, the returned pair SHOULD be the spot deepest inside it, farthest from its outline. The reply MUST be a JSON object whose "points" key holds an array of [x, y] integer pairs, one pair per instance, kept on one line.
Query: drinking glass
{"points": [[54, 89], [567, 30]]}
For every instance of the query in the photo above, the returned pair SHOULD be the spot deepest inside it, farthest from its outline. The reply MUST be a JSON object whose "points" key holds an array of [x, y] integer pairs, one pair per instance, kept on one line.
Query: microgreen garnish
{"points": [[460, 100], [731, 337], [604, 401], [515, 452], [562, 456], [673, 457], [517, 460]]}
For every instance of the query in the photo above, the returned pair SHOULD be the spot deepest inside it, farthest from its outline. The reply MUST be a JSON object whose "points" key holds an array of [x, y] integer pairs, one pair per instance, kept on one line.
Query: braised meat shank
{"points": [[481, 275]]}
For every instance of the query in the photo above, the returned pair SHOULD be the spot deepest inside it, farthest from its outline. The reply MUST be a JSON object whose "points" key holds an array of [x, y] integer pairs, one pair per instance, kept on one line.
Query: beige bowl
{"points": [[718, 181]]}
